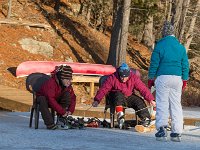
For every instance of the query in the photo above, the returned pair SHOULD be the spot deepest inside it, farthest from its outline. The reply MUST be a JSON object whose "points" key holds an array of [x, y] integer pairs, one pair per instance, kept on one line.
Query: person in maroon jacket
{"points": [[57, 93], [121, 85]]}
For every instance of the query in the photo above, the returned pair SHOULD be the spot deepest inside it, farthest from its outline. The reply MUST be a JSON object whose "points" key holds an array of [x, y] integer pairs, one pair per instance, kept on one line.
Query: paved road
{"points": [[15, 134]]}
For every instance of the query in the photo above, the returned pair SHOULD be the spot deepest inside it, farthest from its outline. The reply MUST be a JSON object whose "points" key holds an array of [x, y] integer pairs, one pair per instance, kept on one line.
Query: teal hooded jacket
{"points": [[169, 57]]}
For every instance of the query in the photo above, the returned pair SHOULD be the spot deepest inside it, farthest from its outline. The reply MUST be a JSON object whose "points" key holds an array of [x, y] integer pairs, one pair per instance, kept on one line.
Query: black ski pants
{"points": [[133, 101], [63, 100]]}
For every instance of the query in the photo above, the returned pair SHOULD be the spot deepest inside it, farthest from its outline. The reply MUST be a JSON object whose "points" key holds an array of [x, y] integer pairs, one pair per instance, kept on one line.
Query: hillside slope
{"points": [[70, 36]]}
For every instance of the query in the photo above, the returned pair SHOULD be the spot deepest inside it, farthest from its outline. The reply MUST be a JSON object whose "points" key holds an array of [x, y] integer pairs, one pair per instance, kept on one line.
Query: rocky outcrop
{"points": [[37, 47]]}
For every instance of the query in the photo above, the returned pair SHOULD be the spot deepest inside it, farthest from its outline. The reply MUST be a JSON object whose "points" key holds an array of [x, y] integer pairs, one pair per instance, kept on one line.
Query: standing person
{"points": [[57, 93], [121, 85], [170, 67]]}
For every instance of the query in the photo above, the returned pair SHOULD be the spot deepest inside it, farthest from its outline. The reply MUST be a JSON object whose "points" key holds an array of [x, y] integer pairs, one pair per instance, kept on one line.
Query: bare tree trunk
{"points": [[115, 35], [169, 10], [9, 9], [124, 32], [119, 35], [173, 11], [181, 27], [189, 34], [147, 38], [176, 11]]}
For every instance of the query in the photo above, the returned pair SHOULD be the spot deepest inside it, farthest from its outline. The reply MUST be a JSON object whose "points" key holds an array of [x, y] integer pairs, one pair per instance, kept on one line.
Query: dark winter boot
{"points": [[81, 123], [62, 123], [145, 122], [52, 127], [74, 124]]}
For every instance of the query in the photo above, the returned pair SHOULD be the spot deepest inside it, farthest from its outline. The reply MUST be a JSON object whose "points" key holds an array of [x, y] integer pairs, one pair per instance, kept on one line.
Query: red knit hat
{"points": [[66, 72]]}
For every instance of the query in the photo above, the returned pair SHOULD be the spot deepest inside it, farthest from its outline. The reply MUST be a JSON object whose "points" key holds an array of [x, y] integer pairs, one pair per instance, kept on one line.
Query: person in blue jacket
{"points": [[169, 68]]}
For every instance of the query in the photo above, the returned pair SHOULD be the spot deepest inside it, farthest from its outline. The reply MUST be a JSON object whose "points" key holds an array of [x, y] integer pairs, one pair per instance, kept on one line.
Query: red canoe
{"points": [[28, 67]]}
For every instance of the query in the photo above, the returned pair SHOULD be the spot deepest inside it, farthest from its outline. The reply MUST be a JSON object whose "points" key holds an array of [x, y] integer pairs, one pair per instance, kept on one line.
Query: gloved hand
{"points": [[150, 83], [95, 103], [184, 85]]}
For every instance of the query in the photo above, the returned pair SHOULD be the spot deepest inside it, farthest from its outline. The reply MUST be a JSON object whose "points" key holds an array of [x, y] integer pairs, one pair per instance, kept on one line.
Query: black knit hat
{"points": [[65, 72]]}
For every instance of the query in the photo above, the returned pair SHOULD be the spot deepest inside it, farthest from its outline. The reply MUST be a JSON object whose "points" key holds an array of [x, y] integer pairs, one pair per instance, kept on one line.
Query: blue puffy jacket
{"points": [[169, 57]]}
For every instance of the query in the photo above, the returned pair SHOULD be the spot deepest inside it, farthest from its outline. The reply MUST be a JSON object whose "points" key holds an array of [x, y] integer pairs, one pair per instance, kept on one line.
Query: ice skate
{"points": [[175, 137], [161, 135], [62, 123], [120, 116]]}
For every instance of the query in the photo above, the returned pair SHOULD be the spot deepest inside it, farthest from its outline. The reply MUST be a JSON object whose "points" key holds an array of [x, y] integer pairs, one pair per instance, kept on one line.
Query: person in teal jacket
{"points": [[169, 68]]}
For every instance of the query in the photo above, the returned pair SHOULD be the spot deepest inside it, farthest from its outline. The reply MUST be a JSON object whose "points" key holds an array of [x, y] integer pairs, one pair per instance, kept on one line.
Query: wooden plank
{"points": [[92, 89], [16, 95], [89, 79], [191, 121], [13, 105]]}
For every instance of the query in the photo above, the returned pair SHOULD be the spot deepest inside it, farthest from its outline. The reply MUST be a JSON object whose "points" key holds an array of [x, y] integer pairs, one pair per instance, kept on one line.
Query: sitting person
{"points": [[121, 85], [57, 93]]}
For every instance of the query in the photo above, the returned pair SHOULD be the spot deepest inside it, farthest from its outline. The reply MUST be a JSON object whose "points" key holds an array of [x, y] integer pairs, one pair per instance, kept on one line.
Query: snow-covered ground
{"points": [[15, 134]]}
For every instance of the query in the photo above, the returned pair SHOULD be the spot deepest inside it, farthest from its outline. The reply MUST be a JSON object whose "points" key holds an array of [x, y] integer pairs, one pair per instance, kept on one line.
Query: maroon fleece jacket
{"points": [[52, 91], [113, 83]]}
